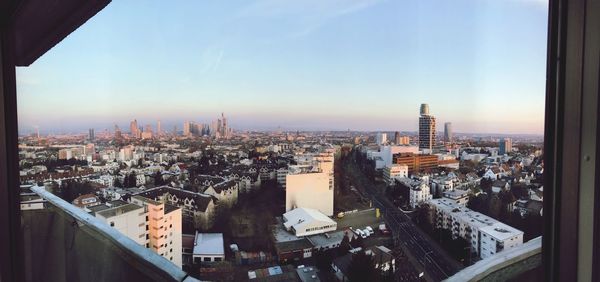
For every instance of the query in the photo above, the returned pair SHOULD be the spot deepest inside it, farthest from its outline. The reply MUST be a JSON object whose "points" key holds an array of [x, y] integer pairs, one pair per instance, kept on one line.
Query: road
{"points": [[436, 264]]}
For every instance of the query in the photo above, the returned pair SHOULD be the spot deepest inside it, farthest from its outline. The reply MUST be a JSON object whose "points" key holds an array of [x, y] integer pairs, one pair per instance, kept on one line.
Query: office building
{"points": [[416, 163], [448, 132], [91, 135], [426, 129]]}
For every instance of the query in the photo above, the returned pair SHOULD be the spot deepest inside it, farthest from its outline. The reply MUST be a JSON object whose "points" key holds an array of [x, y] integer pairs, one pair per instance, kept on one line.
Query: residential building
{"points": [[460, 197], [306, 221], [164, 228], [226, 192], [127, 218], [419, 194], [197, 208], [393, 172], [486, 235], [505, 146], [86, 200]]}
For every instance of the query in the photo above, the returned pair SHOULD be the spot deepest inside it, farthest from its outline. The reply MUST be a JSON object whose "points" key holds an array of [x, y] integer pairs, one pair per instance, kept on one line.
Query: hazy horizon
{"points": [[310, 65]]}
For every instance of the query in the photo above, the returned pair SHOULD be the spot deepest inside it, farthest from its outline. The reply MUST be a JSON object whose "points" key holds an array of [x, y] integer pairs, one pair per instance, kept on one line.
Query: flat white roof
{"points": [[209, 244], [300, 216], [483, 222], [500, 231]]}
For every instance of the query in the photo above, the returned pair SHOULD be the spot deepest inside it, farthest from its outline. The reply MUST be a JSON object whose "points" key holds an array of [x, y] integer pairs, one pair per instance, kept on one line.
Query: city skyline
{"points": [[358, 65]]}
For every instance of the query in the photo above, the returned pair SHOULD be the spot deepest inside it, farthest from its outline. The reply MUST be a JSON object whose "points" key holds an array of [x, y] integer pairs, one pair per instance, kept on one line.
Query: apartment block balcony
{"points": [[64, 243], [518, 264]]}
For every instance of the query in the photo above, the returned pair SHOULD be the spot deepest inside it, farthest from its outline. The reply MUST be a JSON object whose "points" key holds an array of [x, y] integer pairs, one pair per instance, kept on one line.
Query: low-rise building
{"points": [[305, 222], [208, 247], [460, 197], [86, 200]]}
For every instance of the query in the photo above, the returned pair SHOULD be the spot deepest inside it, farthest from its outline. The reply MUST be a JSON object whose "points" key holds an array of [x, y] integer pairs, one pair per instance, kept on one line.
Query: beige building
{"points": [[163, 224], [393, 172], [149, 223], [309, 190]]}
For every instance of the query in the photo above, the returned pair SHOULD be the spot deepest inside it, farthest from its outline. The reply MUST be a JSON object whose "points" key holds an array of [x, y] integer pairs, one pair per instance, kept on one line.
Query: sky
{"points": [[299, 65]]}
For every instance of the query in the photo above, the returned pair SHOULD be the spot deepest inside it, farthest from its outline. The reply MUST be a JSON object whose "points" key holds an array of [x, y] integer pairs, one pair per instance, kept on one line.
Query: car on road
{"points": [[368, 228]]}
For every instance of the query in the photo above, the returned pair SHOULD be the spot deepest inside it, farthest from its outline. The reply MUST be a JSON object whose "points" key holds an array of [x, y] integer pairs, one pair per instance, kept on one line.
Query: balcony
{"points": [[517, 264], [64, 243]]}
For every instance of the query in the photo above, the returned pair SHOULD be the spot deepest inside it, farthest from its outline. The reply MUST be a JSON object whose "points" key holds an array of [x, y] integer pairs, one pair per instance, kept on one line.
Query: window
{"points": [[423, 73], [206, 259]]}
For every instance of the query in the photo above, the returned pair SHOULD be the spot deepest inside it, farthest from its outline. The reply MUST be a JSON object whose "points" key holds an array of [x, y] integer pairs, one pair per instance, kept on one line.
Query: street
{"points": [[436, 264]]}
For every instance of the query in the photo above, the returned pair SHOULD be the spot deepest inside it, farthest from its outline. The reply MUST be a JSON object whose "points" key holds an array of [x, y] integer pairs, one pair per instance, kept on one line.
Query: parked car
{"points": [[368, 228]]}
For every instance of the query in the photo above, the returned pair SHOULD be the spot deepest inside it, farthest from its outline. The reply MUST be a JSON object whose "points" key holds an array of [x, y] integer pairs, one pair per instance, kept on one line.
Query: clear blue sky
{"points": [[311, 64]]}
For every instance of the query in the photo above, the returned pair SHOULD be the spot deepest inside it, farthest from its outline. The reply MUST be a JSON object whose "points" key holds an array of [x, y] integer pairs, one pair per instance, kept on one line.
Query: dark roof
{"points": [[343, 263], [224, 185], [289, 246], [201, 201]]}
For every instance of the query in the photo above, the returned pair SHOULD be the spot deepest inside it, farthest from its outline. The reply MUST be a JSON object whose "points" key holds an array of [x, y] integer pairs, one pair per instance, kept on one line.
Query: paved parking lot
{"points": [[360, 219]]}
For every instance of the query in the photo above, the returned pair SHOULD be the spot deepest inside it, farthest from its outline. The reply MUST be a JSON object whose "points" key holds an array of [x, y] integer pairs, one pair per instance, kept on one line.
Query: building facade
{"points": [[427, 134]]}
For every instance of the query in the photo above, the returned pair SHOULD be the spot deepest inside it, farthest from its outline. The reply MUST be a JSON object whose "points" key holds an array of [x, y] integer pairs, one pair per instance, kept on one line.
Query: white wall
{"points": [[309, 190]]}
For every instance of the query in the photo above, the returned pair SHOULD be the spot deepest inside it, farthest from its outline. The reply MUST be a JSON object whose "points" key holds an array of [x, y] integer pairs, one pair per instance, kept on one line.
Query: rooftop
{"points": [[119, 210], [301, 216], [209, 243]]}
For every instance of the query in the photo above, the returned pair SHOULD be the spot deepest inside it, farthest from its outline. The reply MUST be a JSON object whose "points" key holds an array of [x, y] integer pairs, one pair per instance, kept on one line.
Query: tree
{"points": [[344, 245], [362, 268], [158, 179], [118, 183], [323, 259]]}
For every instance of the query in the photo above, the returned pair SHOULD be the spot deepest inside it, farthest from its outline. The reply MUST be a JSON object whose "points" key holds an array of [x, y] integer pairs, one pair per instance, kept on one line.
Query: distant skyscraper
{"points": [[91, 135], [158, 128], [118, 134], [397, 137], [133, 128], [187, 130], [381, 138], [426, 129], [505, 146], [448, 132], [424, 109]]}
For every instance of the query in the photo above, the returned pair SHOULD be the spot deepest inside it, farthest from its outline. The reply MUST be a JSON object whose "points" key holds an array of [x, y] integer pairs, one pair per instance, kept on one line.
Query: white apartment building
{"points": [[127, 218], [486, 235], [419, 194], [309, 190], [393, 172], [305, 222], [460, 197], [163, 228]]}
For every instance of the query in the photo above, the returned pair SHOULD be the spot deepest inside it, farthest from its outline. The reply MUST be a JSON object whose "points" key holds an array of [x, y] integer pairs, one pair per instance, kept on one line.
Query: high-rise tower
{"points": [[426, 129], [448, 132]]}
